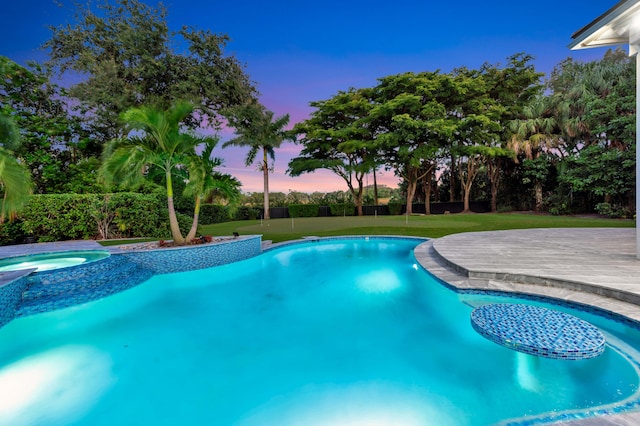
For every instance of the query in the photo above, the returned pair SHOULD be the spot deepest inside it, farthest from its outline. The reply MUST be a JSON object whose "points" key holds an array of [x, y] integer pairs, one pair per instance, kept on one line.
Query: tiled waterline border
{"points": [[314, 239], [14, 283], [189, 258], [152, 262]]}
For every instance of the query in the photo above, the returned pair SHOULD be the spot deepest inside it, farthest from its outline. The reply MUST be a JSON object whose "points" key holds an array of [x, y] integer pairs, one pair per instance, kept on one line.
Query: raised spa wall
{"points": [[24, 293]]}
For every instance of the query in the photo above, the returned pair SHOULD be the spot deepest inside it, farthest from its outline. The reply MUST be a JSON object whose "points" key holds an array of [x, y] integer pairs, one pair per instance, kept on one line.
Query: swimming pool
{"points": [[51, 261], [330, 332]]}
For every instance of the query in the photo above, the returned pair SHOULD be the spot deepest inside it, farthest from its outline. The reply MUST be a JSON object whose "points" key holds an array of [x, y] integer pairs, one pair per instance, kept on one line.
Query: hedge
{"points": [[247, 213], [303, 210], [395, 208], [57, 217], [214, 213], [343, 209]]}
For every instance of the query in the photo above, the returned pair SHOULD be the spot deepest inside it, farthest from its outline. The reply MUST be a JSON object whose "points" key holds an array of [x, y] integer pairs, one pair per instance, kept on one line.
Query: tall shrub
{"points": [[303, 210]]}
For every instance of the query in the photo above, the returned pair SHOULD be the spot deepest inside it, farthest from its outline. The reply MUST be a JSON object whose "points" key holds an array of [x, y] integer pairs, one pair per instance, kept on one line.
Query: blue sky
{"points": [[299, 51]]}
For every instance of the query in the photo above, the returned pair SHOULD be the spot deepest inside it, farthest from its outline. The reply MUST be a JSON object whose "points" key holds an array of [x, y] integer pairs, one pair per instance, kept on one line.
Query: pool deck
{"points": [[594, 266]]}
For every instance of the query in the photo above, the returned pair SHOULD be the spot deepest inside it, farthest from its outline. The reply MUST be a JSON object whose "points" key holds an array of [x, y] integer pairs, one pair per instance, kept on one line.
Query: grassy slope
{"points": [[423, 226]]}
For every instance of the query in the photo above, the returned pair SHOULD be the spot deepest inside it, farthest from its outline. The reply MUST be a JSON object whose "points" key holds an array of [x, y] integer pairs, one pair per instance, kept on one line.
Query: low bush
{"points": [[395, 208], [11, 233], [214, 213], [613, 211], [247, 213], [343, 209], [303, 210]]}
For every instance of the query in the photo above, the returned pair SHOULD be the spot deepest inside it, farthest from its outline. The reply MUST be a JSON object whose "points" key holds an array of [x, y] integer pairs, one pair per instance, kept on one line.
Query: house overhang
{"points": [[619, 25]]}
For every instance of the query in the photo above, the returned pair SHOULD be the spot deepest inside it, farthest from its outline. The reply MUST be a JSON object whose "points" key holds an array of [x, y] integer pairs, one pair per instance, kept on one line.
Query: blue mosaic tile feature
{"points": [[48, 292], [11, 295], [538, 331], [181, 259]]}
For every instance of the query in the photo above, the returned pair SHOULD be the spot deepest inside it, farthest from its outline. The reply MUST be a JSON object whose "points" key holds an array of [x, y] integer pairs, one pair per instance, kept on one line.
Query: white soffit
{"points": [[619, 25]]}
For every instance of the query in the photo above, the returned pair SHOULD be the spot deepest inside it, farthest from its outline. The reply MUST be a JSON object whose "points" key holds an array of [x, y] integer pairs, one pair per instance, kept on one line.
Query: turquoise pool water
{"points": [[335, 332], [51, 261]]}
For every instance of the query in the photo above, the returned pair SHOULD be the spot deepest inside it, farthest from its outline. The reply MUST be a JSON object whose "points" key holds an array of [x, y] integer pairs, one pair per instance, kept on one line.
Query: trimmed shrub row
{"points": [[303, 210], [58, 217]]}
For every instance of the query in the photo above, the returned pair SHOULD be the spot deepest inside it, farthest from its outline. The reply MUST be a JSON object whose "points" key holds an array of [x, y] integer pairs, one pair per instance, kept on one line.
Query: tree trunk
{"points": [[493, 171], [173, 219], [194, 225], [467, 193], [538, 192], [427, 191], [467, 180], [265, 173], [494, 197], [452, 180], [411, 191], [375, 188], [359, 205]]}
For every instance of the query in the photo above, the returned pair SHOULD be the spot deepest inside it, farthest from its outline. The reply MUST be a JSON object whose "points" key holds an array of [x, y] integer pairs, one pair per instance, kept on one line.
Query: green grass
{"points": [[433, 226]]}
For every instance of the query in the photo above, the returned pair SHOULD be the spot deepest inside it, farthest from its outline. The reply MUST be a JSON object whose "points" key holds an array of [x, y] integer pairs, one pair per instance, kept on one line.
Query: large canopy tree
{"points": [[511, 88], [156, 142], [597, 100], [413, 119], [337, 137], [54, 146], [15, 181], [259, 130], [125, 51]]}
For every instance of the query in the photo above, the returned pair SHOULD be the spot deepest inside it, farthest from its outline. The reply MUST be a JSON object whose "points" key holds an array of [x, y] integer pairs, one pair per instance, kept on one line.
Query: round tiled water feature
{"points": [[538, 331]]}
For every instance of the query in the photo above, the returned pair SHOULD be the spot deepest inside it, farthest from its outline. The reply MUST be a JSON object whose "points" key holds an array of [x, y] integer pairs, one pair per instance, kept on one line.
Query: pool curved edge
{"points": [[189, 258], [25, 292]]}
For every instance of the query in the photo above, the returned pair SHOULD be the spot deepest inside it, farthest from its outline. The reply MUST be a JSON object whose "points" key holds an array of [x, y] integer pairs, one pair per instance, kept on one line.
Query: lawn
{"points": [[432, 226]]}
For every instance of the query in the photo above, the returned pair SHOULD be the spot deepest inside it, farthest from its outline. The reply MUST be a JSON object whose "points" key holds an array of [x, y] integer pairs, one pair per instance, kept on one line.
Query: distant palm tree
{"points": [[259, 131], [159, 143], [205, 182], [538, 132], [15, 179]]}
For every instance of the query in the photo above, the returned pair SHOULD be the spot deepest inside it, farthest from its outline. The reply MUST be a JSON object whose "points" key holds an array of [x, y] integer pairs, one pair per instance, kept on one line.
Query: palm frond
{"points": [[15, 182]]}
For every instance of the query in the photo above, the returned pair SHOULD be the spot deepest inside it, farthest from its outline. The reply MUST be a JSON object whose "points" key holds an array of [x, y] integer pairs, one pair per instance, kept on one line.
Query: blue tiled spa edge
{"points": [[29, 293]]}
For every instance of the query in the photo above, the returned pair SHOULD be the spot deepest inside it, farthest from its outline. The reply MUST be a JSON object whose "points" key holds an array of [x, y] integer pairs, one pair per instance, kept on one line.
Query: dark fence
{"points": [[436, 208]]}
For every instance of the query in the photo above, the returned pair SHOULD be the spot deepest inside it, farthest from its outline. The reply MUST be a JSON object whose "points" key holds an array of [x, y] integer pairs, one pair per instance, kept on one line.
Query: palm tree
{"points": [[15, 180], [258, 130], [205, 182], [537, 133], [156, 142]]}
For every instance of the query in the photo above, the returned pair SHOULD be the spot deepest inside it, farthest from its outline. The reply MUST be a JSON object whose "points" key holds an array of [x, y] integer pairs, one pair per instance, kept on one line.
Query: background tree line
{"points": [[499, 133]]}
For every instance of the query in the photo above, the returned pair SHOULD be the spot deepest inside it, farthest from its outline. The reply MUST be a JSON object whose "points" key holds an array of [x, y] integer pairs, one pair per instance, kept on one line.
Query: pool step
{"points": [[116, 275]]}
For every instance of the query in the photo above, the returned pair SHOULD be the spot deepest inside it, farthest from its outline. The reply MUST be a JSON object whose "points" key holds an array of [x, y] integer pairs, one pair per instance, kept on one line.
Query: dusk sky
{"points": [[299, 51]]}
